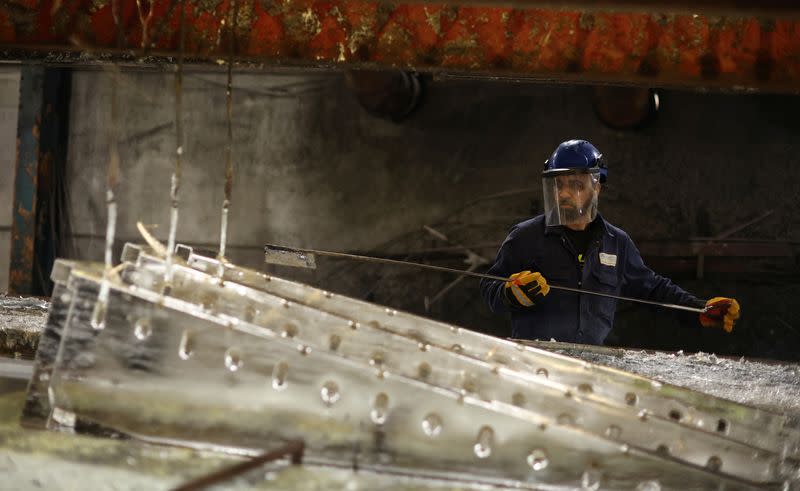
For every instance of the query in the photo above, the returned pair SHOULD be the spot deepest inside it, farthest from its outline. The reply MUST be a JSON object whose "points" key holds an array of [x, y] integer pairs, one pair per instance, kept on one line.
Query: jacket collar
{"points": [[605, 228]]}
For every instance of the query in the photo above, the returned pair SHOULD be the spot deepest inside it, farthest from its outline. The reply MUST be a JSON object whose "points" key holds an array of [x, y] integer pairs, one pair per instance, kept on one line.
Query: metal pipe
{"points": [[269, 257]]}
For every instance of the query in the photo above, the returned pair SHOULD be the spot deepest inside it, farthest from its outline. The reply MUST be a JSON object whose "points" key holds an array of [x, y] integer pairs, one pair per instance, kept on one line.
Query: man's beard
{"points": [[571, 214]]}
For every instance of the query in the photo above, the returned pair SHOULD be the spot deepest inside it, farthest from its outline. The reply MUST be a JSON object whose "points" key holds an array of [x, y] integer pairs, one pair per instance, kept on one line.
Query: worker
{"points": [[572, 245]]}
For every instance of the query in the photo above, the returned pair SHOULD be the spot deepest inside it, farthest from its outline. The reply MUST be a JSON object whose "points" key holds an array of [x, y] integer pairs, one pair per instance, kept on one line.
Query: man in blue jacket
{"points": [[573, 246]]}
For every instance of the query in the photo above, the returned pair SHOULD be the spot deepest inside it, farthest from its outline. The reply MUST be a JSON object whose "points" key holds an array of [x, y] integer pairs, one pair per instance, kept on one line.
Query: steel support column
{"points": [[41, 154]]}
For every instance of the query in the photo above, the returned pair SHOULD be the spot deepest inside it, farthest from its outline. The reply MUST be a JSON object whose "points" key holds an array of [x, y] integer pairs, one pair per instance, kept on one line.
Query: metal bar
{"points": [[714, 44], [23, 227], [307, 252], [16, 369], [629, 299], [667, 248], [293, 449]]}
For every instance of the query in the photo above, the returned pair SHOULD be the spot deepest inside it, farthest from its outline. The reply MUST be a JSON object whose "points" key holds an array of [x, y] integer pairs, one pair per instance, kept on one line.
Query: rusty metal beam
{"points": [[662, 46], [41, 153], [765, 8]]}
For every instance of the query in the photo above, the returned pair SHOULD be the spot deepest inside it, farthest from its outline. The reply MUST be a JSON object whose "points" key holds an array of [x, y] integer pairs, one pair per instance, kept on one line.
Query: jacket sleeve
{"points": [[507, 263], [639, 281]]}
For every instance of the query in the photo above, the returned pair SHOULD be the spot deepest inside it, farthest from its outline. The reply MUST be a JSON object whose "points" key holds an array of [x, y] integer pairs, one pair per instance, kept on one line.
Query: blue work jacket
{"points": [[612, 264]]}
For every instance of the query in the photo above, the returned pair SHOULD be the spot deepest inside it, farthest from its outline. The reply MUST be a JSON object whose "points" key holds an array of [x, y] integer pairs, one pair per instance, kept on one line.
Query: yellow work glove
{"points": [[524, 287], [720, 312]]}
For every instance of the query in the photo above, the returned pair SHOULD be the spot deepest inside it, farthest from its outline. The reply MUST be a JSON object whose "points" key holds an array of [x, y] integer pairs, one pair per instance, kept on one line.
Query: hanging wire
{"points": [[98, 320], [223, 234], [175, 182]]}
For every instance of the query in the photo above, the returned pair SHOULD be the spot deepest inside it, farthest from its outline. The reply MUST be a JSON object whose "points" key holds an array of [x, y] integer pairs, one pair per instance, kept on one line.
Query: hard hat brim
{"points": [[571, 170]]}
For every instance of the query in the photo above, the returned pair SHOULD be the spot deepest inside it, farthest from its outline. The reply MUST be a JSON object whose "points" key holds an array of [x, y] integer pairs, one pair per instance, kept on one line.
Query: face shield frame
{"points": [[571, 201]]}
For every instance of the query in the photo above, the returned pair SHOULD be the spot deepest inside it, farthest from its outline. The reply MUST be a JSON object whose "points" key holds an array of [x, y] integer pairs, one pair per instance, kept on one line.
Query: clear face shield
{"points": [[570, 196]]}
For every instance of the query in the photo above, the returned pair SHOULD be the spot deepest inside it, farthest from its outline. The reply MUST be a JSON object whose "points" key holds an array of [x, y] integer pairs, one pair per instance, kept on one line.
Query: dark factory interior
{"points": [[141, 139]]}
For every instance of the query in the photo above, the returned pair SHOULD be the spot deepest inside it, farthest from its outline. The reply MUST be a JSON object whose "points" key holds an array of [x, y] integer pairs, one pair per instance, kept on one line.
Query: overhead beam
{"points": [[723, 44]]}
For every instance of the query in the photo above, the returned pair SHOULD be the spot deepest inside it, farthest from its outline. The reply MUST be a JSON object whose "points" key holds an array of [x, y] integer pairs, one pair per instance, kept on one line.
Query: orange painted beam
{"points": [[617, 46]]}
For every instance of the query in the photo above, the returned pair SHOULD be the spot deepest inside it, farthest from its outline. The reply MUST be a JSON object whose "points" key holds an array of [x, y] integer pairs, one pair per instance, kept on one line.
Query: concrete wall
{"points": [[313, 169], [9, 104]]}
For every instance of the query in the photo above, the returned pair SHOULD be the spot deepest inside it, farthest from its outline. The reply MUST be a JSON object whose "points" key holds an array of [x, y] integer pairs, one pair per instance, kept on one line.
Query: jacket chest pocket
{"points": [[605, 279]]}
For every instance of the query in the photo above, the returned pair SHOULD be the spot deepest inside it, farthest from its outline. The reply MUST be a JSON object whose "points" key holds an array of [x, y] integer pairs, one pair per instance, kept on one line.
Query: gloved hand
{"points": [[720, 312], [524, 287]]}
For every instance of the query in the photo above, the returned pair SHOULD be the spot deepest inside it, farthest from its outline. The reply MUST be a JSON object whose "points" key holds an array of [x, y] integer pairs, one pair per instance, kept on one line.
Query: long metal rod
{"points": [[270, 247], [294, 449]]}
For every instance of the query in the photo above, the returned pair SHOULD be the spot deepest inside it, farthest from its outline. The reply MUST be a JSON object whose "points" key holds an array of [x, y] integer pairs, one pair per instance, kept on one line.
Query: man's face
{"points": [[575, 195]]}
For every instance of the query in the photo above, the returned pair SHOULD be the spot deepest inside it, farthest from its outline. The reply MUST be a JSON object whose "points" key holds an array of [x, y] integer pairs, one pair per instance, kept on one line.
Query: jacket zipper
{"points": [[571, 249]]}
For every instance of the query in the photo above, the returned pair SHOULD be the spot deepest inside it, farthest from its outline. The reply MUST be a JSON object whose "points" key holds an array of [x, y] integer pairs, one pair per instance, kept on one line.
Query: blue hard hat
{"points": [[576, 155]]}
